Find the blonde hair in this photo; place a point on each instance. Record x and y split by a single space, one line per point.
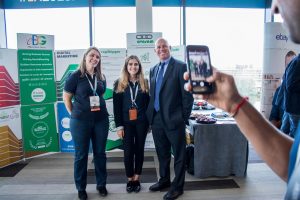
124 77
97 69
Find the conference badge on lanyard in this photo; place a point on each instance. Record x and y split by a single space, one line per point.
95 103
94 100
133 108
132 114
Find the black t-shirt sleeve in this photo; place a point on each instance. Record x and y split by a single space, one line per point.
71 83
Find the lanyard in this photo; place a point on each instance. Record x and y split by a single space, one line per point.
131 94
95 85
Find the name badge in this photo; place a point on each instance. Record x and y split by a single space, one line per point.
132 114
95 103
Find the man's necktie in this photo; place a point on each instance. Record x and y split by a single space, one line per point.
159 79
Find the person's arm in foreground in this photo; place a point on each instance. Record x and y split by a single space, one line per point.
269 143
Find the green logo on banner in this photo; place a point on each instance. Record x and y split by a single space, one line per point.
38 95
39 128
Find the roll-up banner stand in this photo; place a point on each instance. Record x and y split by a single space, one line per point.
66 62
37 92
142 45
276 45
112 62
11 144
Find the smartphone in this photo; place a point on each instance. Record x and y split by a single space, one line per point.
199 66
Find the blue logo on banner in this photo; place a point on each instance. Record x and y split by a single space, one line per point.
65 137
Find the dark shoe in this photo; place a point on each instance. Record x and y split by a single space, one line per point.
82 195
159 186
102 191
136 186
171 195
130 186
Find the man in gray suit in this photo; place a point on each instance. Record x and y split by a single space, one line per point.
168 111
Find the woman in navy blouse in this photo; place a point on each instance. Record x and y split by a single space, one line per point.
130 101
89 119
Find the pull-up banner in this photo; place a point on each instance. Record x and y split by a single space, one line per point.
37 92
66 62
11 145
276 46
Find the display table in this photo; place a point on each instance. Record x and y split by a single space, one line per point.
220 149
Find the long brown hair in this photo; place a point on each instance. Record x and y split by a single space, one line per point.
124 77
97 69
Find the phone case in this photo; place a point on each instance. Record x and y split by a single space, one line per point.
199 64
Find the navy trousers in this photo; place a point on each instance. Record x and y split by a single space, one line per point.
84 131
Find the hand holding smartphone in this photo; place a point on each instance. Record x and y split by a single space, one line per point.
199 65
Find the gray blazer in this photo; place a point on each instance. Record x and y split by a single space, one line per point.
175 103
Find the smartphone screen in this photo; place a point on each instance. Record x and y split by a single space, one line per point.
198 60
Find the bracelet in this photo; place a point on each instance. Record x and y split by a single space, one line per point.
244 100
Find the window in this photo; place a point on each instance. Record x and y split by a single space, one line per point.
167 20
70 26
235 39
112 24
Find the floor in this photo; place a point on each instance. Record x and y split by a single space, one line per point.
50 177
